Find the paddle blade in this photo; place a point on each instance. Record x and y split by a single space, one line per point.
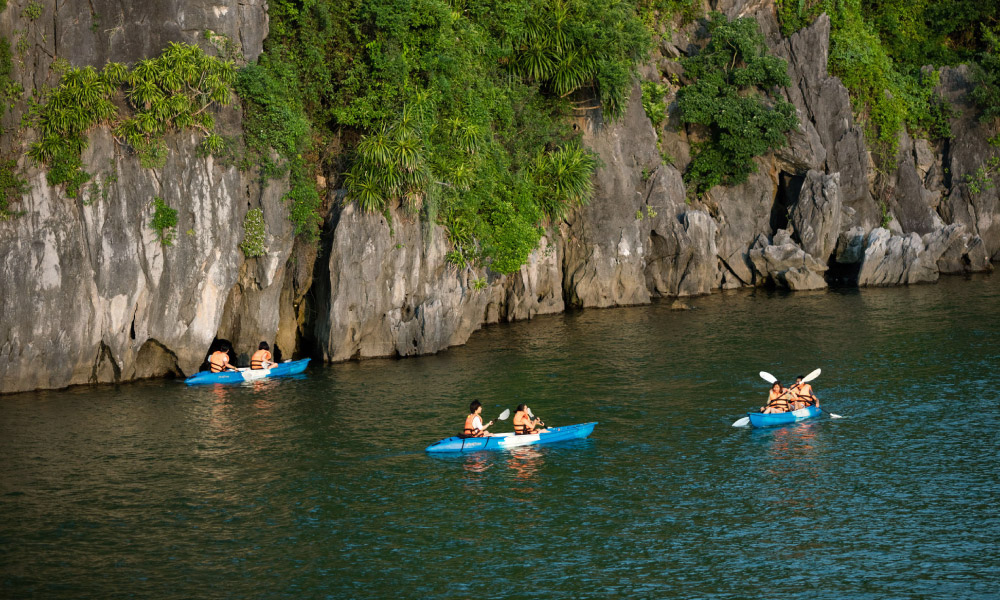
835 416
768 377
503 416
811 376
741 422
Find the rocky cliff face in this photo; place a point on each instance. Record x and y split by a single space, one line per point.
88 294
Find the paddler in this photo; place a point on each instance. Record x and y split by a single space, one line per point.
219 360
777 400
261 359
524 423
803 394
474 423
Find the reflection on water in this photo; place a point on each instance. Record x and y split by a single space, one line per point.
318 486
792 449
476 463
524 464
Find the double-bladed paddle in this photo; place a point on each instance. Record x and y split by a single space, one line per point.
540 421
503 416
771 379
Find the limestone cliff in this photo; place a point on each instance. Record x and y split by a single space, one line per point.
88 294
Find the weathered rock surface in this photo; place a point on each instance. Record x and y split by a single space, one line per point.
976 206
395 294
86 288
817 215
743 212
850 246
787 265
606 241
682 255
894 260
824 105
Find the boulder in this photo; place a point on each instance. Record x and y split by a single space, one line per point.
787 265
896 260
850 246
816 216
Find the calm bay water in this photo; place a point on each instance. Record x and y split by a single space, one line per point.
319 487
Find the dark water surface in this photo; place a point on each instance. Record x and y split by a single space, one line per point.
319 487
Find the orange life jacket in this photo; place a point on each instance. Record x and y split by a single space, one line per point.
219 360
779 400
804 392
258 358
469 430
522 424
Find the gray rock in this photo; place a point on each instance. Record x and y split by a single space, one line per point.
850 246
536 289
910 202
823 103
743 213
682 256
787 265
978 257
674 140
967 153
802 279
895 260
816 216
394 293
804 151
782 237
99 298
605 255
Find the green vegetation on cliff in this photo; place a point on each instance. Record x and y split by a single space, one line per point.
986 75
732 103
879 48
456 109
172 91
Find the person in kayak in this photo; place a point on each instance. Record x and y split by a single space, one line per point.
803 394
524 424
778 400
261 359
219 360
474 423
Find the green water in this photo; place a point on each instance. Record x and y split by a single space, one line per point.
318 487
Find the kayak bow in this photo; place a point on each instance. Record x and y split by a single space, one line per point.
502 441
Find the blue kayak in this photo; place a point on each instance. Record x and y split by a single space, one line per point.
290 367
770 420
502 441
